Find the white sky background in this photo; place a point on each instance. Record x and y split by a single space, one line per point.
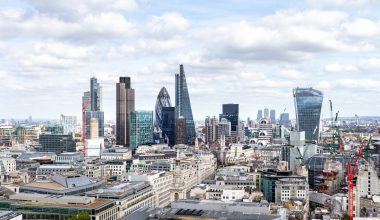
250 52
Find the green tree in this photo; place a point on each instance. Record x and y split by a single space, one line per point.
80 216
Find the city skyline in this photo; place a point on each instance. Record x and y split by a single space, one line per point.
46 68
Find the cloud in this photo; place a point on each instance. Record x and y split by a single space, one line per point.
61 50
370 64
167 24
293 74
339 68
361 28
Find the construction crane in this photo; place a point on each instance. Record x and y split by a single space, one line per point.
351 172
335 130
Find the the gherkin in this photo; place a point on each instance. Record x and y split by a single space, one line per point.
163 100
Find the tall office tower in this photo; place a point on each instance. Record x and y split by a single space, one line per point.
231 113
141 128
86 101
96 95
163 100
183 105
211 126
259 115
69 123
125 103
90 115
308 105
168 125
273 116
224 131
284 120
266 113
180 133
94 128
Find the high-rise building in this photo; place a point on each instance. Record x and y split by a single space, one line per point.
259 115
57 143
99 115
211 126
308 104
141 128
273 116
125 103
266 113
96 95
168 125
180 133
183 105
224 130
231 113
284 120
86 101
163 100
94 128
69 123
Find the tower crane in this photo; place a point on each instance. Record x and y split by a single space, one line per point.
351 172
85 104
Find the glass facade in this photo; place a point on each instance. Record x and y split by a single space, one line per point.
163 100
98 115
183 105
308 104
231 113
141 128
57 143
96 95
168 125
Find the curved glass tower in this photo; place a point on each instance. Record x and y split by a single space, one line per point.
182 104
308 104
163 100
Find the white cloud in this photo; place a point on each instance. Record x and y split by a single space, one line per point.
361 28
340 68
61 50
293 74
370 64
167 24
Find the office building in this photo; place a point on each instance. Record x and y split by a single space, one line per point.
273 116
308 104
183 105
57 143
163 100
94 148
92 116
125 103
69 123
168 125
266 113
7 165
231 113
96 95
53 129
284 120
259 115
141 128
211 126
86 101
180 133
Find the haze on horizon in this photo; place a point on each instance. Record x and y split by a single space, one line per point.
248 52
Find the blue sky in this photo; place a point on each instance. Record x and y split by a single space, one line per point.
242 51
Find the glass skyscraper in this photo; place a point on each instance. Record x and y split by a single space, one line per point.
98 115
141 128
168 125
308 105
231 113
125 103
163 100
182 104
96 95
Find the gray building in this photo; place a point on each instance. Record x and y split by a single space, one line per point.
125 103
57 143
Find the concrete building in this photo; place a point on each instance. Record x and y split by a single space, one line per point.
114 168
52 169
180 134
69 158
161 182
291 189
7 165
94 148
125 103
211 126
40 206
265 131
57 143
128 196
69 123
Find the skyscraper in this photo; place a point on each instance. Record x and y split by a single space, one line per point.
266 113
231 113
180 133
168 125
211 126
141 128
308 104
69 123
183 105
96 95
163 100
259 115
284 120
125 103
86 101
99 115
273 116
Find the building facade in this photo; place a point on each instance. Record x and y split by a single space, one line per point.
141 128
69 123
163 100
168 125
183 105
57 143
308 105
125 103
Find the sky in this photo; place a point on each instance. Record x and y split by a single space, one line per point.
250 52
